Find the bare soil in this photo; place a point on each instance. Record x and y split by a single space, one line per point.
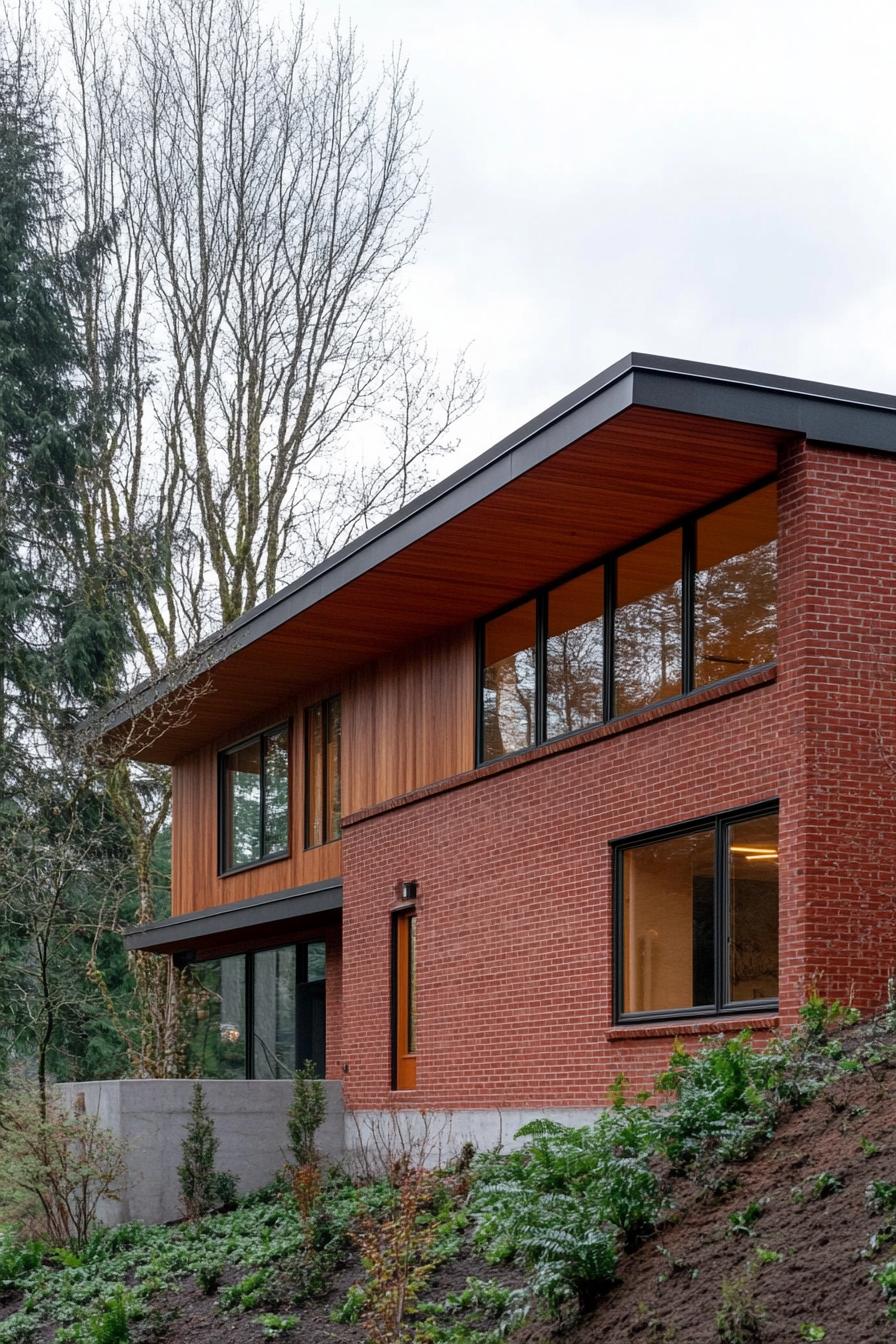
670 1289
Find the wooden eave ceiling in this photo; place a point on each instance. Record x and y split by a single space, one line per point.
637 472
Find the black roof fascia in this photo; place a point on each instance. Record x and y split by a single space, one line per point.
822 412
258 912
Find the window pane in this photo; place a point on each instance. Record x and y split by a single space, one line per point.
274 1003
218 1047
753 909
735 617
412 984
508 682
276 791
647 624
316 961
334 754
575 654
668 924
314 776
242 804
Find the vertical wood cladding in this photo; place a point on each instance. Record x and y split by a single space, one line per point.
407 722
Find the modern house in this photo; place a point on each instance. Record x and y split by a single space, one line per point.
591 746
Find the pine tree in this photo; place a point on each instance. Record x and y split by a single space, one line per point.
41 437
202 1188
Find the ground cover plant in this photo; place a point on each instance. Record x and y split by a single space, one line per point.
664 1223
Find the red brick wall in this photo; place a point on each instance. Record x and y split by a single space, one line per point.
514 872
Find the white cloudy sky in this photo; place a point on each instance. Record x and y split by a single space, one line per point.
712 179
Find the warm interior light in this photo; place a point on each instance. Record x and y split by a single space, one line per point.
755 851
229 1033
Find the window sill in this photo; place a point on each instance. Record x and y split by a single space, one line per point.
280 857
710 1026
643 718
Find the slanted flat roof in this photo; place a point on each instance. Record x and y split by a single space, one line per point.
659 423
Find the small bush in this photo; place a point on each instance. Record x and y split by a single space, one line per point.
273 1325
812 1332
349 1310
826 1183
744 1220
885 1277
249 1293
880 1197
111 1327
208 1277
397 1254
306 1114
202 1188
16 1260
740 1317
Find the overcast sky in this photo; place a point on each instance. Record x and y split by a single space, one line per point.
707 179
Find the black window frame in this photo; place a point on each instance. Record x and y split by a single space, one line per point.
687 524
275 856
326 838
301 983
721 822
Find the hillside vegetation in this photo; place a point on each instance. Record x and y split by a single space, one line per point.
754 1200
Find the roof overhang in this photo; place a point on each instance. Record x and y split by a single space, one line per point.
353 607
265 917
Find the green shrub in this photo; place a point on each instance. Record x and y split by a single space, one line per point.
274 1325
202 1188
17 1259
740 1317
306 1114
880 1197
812 1332
349 1310
250 1292
111 1326
885 1277
744 1220
566 1203
208 1277
826 1183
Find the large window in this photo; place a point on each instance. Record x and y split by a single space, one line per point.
254 800
692 606
323 752
697 918
261 1014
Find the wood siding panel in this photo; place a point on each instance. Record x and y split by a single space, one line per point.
408 720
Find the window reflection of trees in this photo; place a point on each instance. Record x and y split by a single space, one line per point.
736 618
647 649
509 704
575 678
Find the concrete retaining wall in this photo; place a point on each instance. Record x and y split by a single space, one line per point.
150 1117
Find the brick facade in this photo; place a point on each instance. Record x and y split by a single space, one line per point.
513 861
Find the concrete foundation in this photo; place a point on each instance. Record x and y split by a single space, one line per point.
373 1138
150 1118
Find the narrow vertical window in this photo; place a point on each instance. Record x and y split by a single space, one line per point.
254 800
508 682
575 654
323 772
735 588
405 1000
647 624
312 1006
752 881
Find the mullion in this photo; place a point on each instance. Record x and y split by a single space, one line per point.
688 596
262 758
609 641
541 668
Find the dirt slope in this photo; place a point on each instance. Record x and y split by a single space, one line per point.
672 1295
